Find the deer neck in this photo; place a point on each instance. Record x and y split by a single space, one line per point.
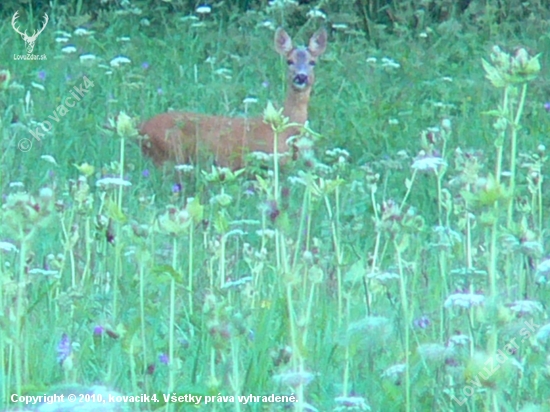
296 105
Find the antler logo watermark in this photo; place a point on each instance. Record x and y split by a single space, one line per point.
29 40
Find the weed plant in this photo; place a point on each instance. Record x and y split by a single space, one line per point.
400 265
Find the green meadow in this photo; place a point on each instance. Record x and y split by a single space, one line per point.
400 264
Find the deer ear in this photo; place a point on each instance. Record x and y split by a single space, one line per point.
318 42
283 42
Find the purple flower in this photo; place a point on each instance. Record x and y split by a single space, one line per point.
176 188
146 173
98 330
63 349
547 106
159 91
163 358
145 65
423 322
42 75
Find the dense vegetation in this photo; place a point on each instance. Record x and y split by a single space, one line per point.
400 265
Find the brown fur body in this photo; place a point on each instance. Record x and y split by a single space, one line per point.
184 137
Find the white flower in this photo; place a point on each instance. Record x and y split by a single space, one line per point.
117 61
394 372
526 307
184 168
203 10
390 63
458 340
61 39
8 247
44 272
428 163
87 57
82 32
339 26
68 49
543 333
316 13
112 181
351 403
270 233
544 267
464 300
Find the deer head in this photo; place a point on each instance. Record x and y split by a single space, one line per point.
29 40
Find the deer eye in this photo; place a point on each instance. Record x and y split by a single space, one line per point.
289 62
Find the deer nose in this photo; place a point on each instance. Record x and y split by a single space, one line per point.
300 79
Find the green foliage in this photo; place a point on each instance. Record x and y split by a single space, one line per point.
393 268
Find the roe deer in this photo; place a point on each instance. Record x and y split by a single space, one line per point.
182 137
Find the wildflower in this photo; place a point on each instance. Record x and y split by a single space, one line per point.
394 373
184 168
222 199
68 49
119 60
269 233
351 403
383 277
87 57
390 63
86 169
61 39
543 334
432 352
82 32
273 116
316 13
64 349
464 300
543 268
98 330
525 307
203 9
423 322
237 283
164 359
458 340
428 163
547 106
339 26
125 126
112 181
8 247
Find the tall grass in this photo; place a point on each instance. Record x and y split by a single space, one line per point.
399 265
